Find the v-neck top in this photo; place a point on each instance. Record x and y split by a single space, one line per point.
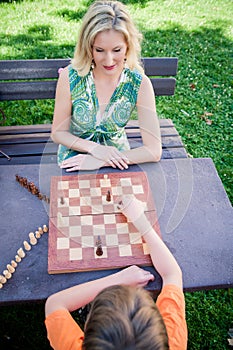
86 121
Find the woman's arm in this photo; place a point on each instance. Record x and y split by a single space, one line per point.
101 155
62 117
149 127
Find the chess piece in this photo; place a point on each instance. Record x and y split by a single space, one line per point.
13 263
7 274
3 279
45 228
40 230
27 246
108 196
10 268
37 234
17 258
33 240
105 182
21 253
99 250
62 200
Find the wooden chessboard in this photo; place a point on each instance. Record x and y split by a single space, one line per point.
80 215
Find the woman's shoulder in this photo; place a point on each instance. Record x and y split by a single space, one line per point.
134 76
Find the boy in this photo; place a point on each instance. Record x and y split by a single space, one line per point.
122 314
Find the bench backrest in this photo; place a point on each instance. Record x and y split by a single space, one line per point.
36 79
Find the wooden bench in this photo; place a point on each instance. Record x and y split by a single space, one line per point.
36 79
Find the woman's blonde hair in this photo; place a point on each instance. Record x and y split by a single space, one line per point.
124 317
101 16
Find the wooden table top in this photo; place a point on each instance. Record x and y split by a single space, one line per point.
194 213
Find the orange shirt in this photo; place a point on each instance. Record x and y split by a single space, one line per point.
171 305
65 334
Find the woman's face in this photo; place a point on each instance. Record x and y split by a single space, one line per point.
109 52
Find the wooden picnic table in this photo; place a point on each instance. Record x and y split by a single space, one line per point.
194 213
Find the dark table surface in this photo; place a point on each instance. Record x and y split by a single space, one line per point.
194 212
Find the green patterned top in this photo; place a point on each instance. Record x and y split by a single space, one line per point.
85 120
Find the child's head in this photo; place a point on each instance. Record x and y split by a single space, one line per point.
123 318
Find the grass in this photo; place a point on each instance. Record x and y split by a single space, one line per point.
200 34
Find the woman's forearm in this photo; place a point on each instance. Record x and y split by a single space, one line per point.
144 154
73 142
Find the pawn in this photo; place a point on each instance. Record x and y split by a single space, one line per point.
7 274
37 234
40 196
40 230
3 279
10 268
17 258
31 235
27 246
108 196
45 228
33 240
13 263
21 253
99 250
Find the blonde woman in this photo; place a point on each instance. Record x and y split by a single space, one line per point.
97 93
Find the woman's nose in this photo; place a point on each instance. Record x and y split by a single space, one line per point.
109 58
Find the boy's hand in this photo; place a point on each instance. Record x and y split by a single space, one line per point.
135 276
133 209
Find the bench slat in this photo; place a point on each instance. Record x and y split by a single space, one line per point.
36 90
31 69
43 137
48 68
164 66
46 128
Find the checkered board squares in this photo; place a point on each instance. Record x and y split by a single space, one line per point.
83 216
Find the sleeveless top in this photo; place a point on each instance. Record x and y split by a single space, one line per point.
86 121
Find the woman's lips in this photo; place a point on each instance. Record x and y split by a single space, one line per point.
109 67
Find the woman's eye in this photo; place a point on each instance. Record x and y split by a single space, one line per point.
99 50
117 50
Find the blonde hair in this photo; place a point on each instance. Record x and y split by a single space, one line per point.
101 16
123 317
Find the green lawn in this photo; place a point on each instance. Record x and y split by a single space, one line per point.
200 34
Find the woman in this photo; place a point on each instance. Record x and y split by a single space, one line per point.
98 92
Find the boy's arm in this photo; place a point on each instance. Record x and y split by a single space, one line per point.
163 260
75 297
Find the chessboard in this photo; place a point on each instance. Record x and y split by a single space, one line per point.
87 231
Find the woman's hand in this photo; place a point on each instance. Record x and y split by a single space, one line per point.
135 276
111 156
82 162
92 162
